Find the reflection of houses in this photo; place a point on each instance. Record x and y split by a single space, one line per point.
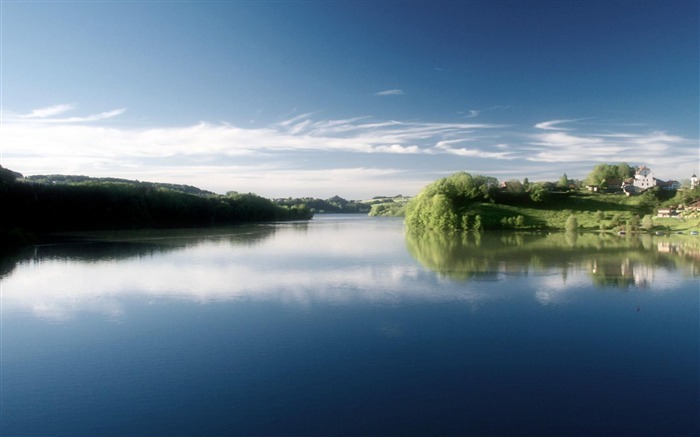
644 179
643 275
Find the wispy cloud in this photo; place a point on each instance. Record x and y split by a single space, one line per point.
49 111
46 115
86 145
653 148
394 92
446 147
304 155
552 125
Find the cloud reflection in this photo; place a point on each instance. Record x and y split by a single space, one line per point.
327 263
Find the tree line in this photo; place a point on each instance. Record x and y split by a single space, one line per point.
333 205
37 207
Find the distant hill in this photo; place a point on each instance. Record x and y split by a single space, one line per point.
57 179
333 205
44 204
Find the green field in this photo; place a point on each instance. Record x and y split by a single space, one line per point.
593 212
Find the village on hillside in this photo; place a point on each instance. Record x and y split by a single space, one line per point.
644 180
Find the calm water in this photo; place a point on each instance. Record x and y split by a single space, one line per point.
349 326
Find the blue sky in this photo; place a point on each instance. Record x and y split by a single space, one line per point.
306 98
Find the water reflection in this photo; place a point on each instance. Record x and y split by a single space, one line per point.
338 262
610 260
332 261
100 246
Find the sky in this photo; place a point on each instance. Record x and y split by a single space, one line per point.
349 98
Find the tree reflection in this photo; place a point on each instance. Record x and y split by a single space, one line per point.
611 260
99 246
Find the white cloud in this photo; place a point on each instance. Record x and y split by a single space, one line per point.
49 111
273 160
394 92
561 139
552 125
473 113
656 148
44 116
397 148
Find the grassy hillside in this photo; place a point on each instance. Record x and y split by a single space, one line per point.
590 210
463 202
593 212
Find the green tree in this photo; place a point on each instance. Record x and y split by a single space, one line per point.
538 193
520 221
616 220
603 172
441 204
647 222
563 181
514 186
442 215
633 222
571 224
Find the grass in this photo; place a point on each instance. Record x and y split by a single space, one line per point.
594 212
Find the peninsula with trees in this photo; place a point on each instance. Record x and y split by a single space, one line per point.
612 198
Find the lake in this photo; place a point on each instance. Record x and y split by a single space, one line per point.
350 325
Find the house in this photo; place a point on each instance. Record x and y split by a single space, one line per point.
668 185
666 212
694 181
644 179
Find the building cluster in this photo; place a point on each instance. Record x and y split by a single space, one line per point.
643 180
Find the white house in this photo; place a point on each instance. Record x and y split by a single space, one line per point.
644 179
694 181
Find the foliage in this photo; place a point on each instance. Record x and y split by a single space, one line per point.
382 206
335 205
632 223
388 210
571 224
442 204
539 193
563 182
604 172
86 180
683 197
454 202
38 207
8 177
